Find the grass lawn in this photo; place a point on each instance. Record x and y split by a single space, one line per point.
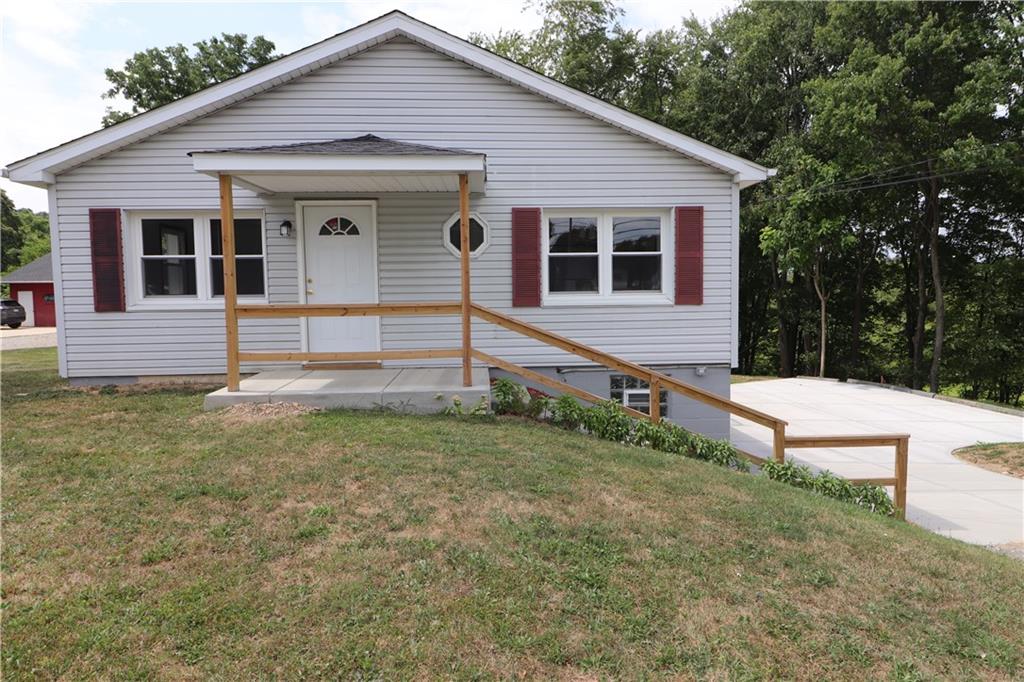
143 538
1005 458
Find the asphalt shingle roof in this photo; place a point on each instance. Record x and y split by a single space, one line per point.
365 145
39 270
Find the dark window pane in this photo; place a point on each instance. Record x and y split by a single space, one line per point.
248 237
572 235
169 276
168 237
636 273
338 225
476 235
636 234
248 274
572 273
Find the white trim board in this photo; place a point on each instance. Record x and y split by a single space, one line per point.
41 169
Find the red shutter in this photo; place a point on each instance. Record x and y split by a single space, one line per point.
689 255
107 263
526 257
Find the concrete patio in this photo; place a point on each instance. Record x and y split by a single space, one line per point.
416 390
944 494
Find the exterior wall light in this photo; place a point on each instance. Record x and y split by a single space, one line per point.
286 228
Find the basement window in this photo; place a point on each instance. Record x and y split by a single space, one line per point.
635 393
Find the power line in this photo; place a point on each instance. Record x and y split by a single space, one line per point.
892 182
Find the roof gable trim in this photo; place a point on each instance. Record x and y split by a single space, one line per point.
41 168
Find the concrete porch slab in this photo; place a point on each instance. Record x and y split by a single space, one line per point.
416 390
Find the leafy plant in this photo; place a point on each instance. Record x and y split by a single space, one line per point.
509 397
826 483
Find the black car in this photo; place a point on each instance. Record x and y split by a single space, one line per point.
11 313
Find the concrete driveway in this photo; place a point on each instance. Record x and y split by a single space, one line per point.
27 337
944 494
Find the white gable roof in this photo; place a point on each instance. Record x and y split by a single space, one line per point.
41 169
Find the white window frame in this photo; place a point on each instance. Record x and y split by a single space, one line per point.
204 298
604 294
454 219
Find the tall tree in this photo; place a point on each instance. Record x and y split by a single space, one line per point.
158 76
24 234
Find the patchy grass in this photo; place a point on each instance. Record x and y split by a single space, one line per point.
144 539
1004 458
746 378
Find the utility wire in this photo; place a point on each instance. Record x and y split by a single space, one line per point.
825 191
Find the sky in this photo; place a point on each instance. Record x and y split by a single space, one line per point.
53 53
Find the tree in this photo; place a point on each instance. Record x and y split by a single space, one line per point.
158 76
24 234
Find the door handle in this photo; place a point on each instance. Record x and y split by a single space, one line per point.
309 292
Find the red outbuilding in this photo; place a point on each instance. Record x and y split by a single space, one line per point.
32 286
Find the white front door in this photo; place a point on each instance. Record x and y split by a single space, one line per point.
340 244
27 301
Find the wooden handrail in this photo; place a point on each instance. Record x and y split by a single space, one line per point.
657 380
348 309
624 366
848 441
353 356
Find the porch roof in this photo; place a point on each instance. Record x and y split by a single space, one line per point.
358 164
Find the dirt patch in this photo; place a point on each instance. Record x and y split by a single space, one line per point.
249 413
1002 458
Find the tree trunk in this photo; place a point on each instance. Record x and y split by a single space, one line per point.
855 322
940 303
922 310
823 328
785 354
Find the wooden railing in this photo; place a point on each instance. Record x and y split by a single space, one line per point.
655 380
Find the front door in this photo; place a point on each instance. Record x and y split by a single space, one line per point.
340 243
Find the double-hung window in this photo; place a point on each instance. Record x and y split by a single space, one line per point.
635 393
606 256
175 259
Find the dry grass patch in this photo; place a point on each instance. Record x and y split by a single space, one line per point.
1003 458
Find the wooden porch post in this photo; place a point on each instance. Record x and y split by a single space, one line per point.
227 237
467 322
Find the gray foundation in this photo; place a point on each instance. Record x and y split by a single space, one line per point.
683 411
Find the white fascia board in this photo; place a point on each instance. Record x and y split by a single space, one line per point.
208 100
355 40
251 163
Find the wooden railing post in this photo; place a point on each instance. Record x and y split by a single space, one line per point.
227 240
900 492
655 399
467 321
779 442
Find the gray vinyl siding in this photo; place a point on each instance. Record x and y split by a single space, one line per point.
539 153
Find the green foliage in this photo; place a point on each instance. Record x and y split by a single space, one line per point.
457 409
24 234
825 483
158 76
509 397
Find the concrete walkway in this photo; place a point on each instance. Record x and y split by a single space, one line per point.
28 337
418 390
944 494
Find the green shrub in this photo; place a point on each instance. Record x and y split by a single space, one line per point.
509 397
567 413
826 483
